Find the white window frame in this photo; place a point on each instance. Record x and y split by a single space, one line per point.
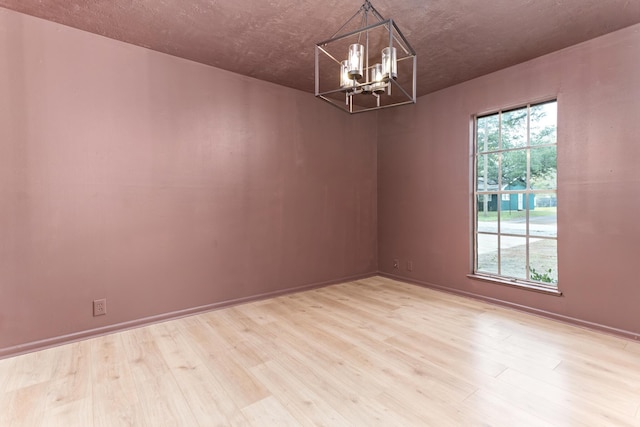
499 278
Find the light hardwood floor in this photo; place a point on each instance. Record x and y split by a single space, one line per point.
365 353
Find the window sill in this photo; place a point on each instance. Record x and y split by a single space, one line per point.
529 286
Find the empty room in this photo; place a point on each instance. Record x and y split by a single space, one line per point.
338 213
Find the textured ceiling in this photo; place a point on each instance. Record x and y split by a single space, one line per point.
273 40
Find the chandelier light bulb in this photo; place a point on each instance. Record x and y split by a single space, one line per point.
355 61
345 79
389 63
377 78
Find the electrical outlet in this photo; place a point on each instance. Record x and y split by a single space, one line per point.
409 265
100 307
396 264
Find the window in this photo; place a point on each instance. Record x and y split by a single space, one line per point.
515 197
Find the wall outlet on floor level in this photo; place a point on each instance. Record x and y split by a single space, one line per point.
100 307
409 265
396 264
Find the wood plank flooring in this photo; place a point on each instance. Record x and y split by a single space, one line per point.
364 353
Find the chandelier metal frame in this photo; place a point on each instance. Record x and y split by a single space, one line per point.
380 80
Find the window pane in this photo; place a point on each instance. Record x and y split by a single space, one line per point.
544 170
513 215
513 256
543 219
487 172
487 213
514 128
487 253
487 133
543 260
514 170
544 123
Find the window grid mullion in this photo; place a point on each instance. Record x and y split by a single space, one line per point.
526 193
499 201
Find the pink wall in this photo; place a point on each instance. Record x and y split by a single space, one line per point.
163 185
424 185
167 186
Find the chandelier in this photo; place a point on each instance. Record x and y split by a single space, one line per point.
367 68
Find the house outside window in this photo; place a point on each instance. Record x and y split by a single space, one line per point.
515 196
